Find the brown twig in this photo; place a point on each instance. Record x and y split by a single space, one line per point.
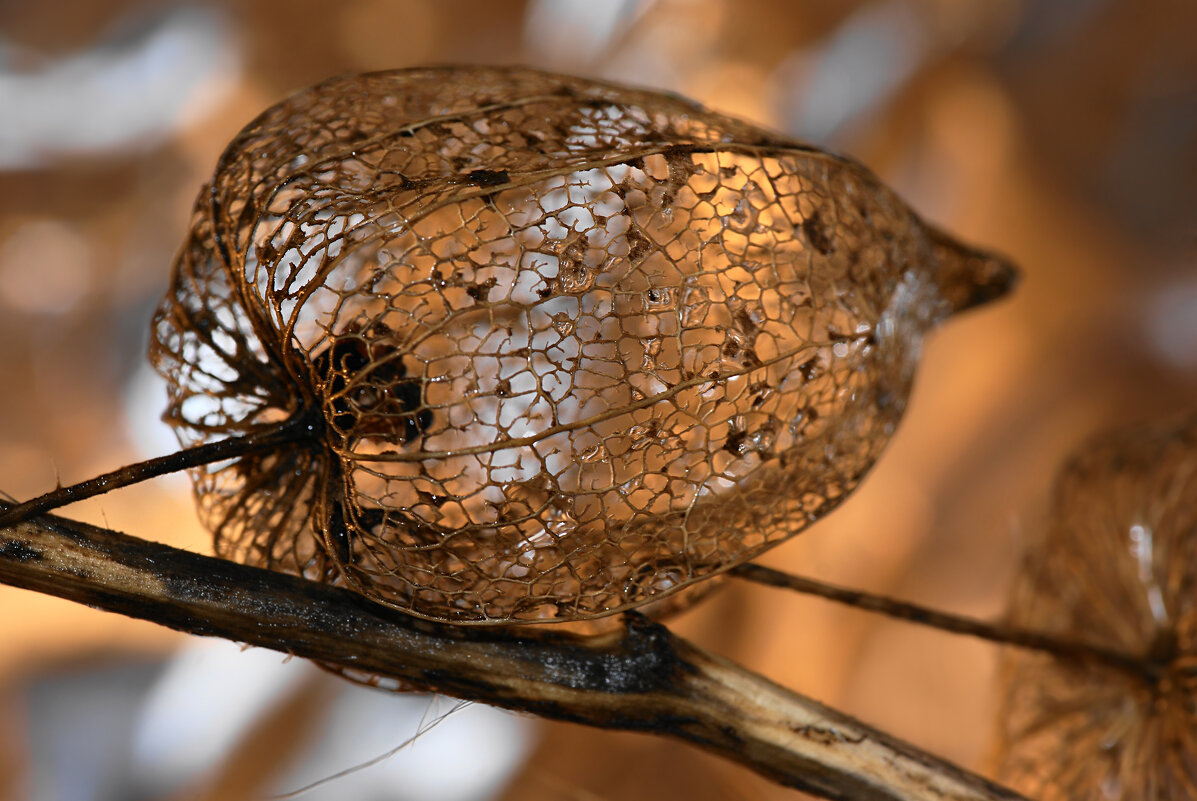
639 678
265 439
944 621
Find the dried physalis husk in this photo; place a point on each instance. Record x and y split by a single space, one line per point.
1117 568
566 347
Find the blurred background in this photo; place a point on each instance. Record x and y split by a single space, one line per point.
1063 132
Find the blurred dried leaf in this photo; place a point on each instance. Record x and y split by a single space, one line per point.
1117 568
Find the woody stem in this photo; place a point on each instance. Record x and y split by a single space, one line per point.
294 429
945 621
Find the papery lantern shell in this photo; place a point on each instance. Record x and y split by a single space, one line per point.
567 347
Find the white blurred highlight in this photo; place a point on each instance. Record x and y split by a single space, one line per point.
119 95
1172 323
200 708
468 756
578 31
854 72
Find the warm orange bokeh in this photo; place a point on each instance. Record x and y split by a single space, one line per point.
1061 134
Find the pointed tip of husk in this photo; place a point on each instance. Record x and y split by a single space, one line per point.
969 277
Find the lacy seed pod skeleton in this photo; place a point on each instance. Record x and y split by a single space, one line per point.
560 347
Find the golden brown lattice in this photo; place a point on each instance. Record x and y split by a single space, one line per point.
1117 568
565 346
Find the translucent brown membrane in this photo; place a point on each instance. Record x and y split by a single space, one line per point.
1118 568
567 347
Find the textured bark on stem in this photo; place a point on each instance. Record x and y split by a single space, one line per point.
639 678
